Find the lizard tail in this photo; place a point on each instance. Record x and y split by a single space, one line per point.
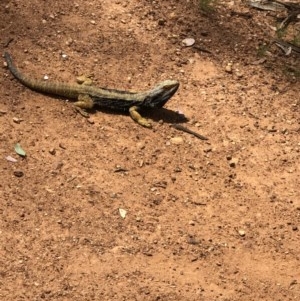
38 85
16 73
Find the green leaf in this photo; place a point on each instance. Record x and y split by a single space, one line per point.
19 150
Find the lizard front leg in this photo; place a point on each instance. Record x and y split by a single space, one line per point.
84 80
136 116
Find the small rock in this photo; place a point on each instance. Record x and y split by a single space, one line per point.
90 121
176 140
17 120
271 129
52 151
233 162
207 149
59 166
188 42
177 169
192 223
11 159
239 74
161 22
69 41
228 68
18 173
242 233
64 56
172 15
122 212
119 168
140 145
62 146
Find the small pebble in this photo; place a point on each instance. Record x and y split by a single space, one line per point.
233 162
228 68
59 166
271 129
242 233
176 140
11 159
161 22
17 120
140 145
207 149
18 173
188 42
62 146
90 121
239 74
69 42
177 169
52 151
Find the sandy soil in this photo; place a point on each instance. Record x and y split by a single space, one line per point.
206 220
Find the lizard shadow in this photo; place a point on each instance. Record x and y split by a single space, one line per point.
166 115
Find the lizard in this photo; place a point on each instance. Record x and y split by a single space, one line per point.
88 96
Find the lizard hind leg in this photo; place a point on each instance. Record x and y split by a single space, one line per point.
83 103
136 116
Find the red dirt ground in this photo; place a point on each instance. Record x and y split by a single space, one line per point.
206 220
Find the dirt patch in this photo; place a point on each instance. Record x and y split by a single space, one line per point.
206 220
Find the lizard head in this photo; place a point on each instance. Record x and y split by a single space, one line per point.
160 94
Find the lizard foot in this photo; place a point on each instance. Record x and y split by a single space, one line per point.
81 112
